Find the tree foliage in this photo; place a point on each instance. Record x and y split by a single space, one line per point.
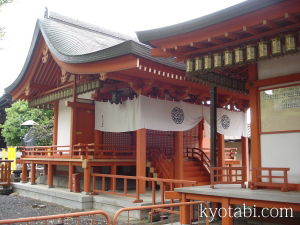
19 113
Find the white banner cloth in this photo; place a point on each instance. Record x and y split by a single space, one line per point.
146 112
229 123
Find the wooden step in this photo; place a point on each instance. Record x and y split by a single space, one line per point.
191 163
192 168
193 173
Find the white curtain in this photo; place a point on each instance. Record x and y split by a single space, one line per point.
232 124
146 112
164 115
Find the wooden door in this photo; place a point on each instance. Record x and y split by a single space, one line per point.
85 126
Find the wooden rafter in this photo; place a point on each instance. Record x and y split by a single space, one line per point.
270 24
291 18
232 35
250 30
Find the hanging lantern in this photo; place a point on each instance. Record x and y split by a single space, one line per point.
250 53
189 65
290 45
239 57
263 50
276 46
228 58
217 60
116 97
198 64
207 62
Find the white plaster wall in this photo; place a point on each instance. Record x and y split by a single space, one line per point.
282 150
276 67
64 123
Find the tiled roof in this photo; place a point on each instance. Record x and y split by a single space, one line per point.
73 41
204 21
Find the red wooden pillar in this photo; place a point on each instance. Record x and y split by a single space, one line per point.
221 154
98 137
55 123
227 212
71 171
32 173
245 156
184 212
24 173
141 157
254 113
87 179
113 171
50 175
45 169
201 133
178 141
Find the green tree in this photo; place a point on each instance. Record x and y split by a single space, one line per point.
19 113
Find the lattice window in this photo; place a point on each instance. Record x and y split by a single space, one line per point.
191 138
111 138
163 139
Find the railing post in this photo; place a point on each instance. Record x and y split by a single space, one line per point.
153 192
137 191
125 186
162 192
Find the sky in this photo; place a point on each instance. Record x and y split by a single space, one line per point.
124 16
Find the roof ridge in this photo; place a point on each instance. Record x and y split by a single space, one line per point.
88 26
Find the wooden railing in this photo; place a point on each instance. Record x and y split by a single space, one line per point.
200 155
71 218
94 151
257 176
156 155
138 180
5 171
170 210
226 175
53 151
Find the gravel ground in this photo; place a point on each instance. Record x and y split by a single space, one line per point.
12 207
